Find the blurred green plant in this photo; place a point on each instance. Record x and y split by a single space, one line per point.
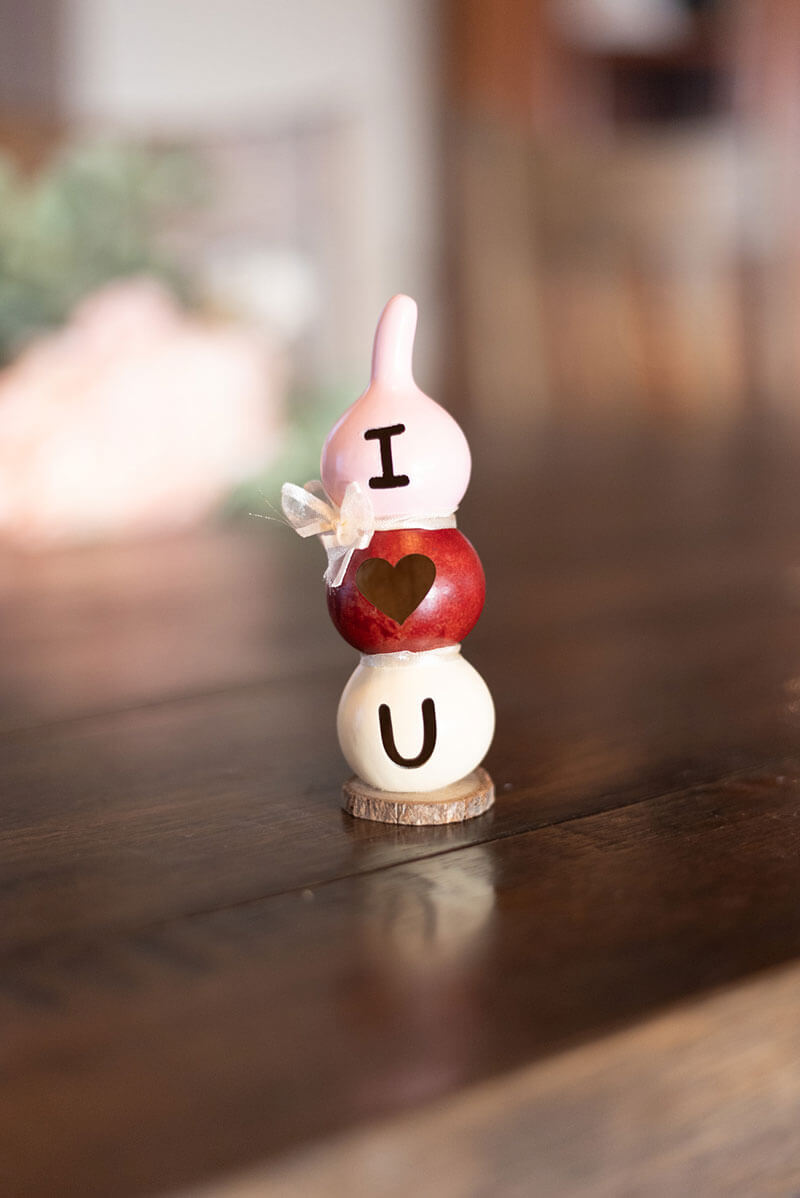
89 217
97 213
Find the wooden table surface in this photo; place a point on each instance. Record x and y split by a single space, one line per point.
211 976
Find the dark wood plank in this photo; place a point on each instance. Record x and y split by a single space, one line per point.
718 1076
631 652
84 631
203 961
147 1060
186 806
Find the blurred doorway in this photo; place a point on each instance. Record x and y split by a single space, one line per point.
620 183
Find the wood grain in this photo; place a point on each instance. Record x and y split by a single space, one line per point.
176 1050
721 1073
205 964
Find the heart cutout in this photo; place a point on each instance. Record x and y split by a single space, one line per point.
398 590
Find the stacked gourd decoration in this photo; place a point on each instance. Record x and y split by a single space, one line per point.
404 588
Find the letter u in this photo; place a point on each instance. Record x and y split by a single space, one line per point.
428 735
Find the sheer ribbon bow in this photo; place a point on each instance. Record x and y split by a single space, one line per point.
312 513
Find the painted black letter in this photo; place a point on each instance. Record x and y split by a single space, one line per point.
428 735
388 479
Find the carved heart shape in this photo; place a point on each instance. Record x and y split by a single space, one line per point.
398 590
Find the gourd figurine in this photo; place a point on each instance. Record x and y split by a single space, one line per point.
404 587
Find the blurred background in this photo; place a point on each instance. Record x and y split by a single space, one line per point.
204 205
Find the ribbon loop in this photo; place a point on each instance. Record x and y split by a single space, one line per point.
311 512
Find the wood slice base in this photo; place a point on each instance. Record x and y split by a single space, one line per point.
461 800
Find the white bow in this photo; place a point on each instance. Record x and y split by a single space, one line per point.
312 513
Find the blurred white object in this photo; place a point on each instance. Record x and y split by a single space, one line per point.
274 289
622 24
134 418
